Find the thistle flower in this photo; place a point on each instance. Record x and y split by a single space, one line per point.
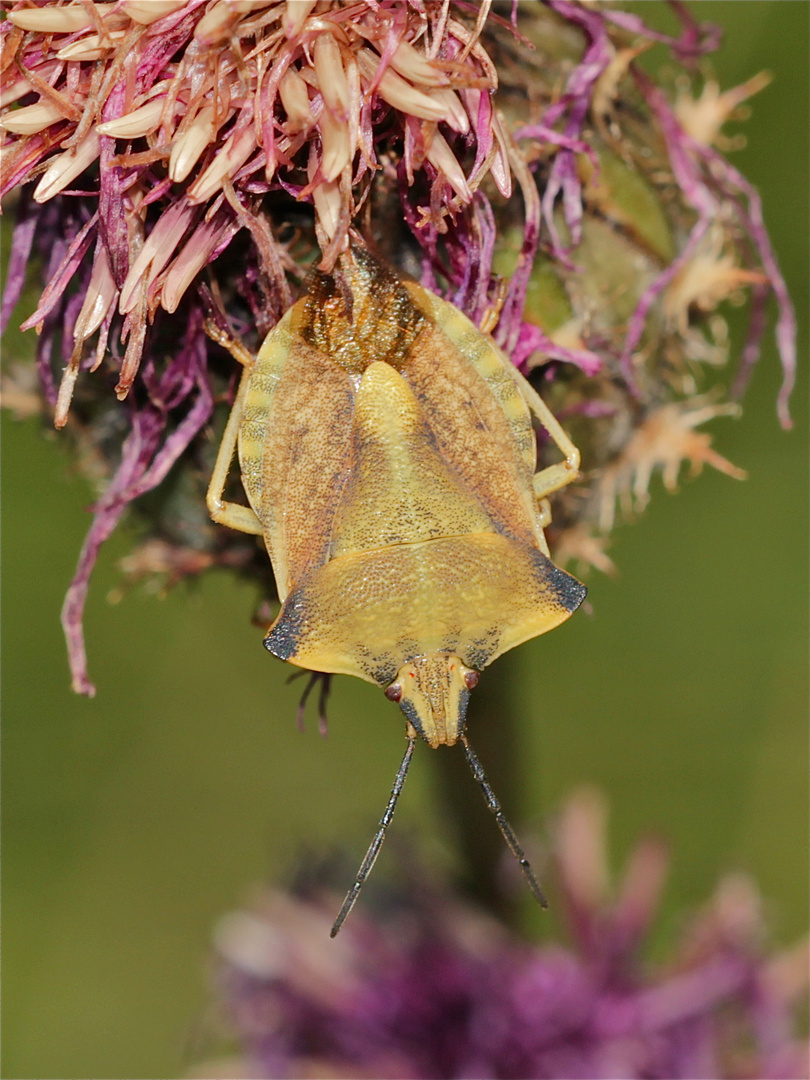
182 162
431 988
264 95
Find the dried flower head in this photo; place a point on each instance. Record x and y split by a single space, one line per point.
182 162
193 112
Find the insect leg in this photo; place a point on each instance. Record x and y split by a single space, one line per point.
237 350
507 831
379 836
234 515
314 677
555 476
323 697
544 513
564 472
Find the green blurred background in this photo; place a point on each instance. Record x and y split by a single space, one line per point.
132 821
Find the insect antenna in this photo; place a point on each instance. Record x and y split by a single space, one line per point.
507 831
376 843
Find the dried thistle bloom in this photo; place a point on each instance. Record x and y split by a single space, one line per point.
433 988
194 112
185 160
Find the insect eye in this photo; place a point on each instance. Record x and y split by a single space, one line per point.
393 692
471 679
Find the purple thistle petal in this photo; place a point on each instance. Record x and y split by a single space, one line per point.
696 39
177 442
27 220
70 312
696 193
61 278
174 28
158 248
44 362
754 223
544 133
476 243
146 459
138 448
111 208
685 156
510 323
158 191
481 115
576 101
211 238
21 159
757 324
686 996
531 339
100 295
638 320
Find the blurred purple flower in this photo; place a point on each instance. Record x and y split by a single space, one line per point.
433 989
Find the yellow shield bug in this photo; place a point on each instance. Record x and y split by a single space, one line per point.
388 456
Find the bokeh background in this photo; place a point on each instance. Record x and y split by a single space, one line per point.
132 821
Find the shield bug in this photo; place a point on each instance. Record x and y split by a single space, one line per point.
388 456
